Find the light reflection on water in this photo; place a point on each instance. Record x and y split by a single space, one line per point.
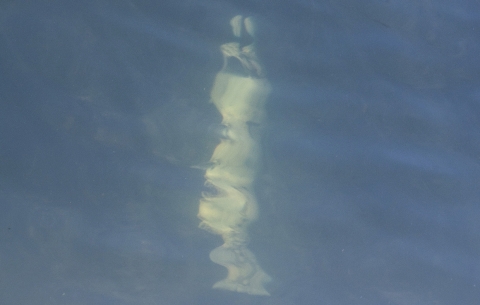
369 185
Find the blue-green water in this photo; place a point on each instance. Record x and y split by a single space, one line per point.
368 190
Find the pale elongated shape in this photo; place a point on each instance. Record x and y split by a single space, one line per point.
240 97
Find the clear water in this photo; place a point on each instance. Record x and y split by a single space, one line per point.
369 186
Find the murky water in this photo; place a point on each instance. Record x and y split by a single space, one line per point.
368 185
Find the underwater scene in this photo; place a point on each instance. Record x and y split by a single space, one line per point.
240 152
